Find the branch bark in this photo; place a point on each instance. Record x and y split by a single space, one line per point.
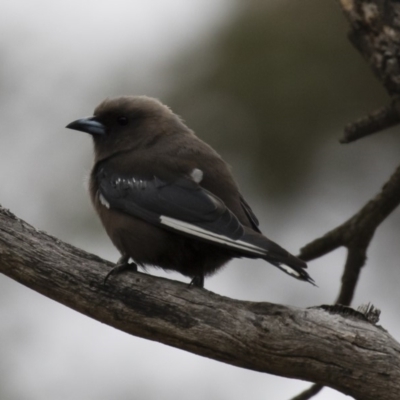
340 351
375 33
375 122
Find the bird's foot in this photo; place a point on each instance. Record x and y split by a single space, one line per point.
197 281
121 266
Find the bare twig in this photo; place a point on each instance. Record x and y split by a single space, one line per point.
361 226
381 119
354 262
308 393
356 234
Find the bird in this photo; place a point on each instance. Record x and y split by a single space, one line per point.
166 198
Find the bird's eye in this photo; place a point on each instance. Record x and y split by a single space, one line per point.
122 121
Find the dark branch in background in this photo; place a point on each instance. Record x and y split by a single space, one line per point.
375 32
356 234
308 393
381 119
332 346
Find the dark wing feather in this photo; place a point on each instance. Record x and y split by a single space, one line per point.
181 206
185 207
250 214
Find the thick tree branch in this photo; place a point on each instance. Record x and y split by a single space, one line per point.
339 351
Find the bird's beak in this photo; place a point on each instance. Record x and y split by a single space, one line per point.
89 125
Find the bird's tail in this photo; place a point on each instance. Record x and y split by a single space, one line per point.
292 265
279 257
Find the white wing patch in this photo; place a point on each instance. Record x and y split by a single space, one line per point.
103 201
214 237
289 270
197 175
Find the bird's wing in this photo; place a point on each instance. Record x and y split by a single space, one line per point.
182 206
250 214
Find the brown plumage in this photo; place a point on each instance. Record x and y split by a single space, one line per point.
166 198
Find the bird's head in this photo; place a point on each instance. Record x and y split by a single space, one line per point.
126 123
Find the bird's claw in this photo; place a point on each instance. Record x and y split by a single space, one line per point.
121 266
197 281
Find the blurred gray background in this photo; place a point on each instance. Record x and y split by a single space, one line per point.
269 84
